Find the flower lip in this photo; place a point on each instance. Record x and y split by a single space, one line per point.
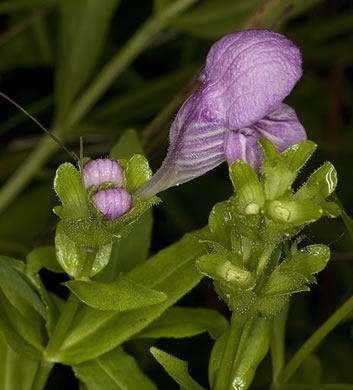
112 203
102 170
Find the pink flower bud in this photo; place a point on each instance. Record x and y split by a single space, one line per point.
112 203
102 170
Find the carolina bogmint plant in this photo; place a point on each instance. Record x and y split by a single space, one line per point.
251 248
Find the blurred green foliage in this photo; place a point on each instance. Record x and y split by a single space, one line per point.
64 61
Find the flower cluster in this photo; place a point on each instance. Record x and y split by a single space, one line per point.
245 79
111 202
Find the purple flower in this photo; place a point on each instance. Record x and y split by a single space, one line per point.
112 203
246 77
102 170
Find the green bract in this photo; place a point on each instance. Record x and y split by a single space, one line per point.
248 233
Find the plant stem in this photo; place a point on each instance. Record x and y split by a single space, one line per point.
225 369
315 339
124 57
42 375
278 344
62 327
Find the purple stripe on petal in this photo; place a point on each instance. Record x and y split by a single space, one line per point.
242 146
281 127
112 203
102 170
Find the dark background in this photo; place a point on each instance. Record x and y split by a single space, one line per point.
323 100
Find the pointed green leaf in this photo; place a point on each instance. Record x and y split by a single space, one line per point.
115 370
17 281
42 257
121 294
250 196
176 368
309 260
84 25
21 333
179 322
68 186
216 358
285 283
96 332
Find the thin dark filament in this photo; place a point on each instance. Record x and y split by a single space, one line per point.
52 136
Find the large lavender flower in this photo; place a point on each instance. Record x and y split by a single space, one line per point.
246 77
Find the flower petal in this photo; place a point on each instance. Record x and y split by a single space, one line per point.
247 74
243 145
281 127
196 147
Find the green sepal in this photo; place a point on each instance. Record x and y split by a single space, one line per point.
292 212
320 184
137 173
279 170
71 256
68 186
249 192
221 223
218 267
176 368
121 294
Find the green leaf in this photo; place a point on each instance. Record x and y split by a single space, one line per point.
121 294
83 29
176 368
96 332
14 280
128 145
249 191
321 386
71 256
68 186
115 370
179 322
42 257
15 371
137 173
21 333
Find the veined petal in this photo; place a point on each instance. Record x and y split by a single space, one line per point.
281 127
247 74
196 147
242 144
